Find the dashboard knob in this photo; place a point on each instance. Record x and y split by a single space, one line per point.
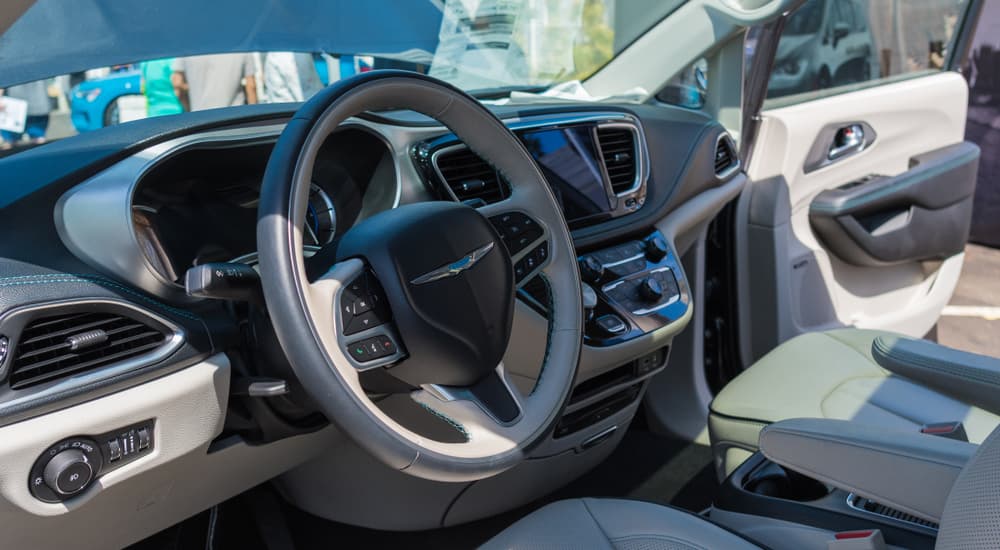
68 472
651 290
591 269
656 249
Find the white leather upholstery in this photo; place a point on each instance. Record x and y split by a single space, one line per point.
614 524
827 375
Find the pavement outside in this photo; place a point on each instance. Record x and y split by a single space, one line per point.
971 322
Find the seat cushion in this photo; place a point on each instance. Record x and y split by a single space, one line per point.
614 524
827 375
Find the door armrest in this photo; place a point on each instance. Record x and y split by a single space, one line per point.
911 472
968 377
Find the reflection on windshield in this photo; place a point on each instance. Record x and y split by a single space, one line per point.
33 113
494 45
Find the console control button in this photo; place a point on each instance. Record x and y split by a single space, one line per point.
611 324
656 248
591 269
651 290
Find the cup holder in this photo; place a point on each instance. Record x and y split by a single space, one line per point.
772 480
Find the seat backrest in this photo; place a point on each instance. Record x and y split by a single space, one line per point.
972 513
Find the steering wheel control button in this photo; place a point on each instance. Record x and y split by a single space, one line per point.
517 230
363 305
371 349
530 262
611 324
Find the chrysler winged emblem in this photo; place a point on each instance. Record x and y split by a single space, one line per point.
456 267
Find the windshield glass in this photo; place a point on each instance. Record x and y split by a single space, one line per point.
122 61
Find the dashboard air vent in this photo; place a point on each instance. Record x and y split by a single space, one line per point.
725 156
61 345
619 152
470 177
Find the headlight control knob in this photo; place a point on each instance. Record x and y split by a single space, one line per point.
68 472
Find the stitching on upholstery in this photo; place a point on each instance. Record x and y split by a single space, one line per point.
56 278
451 422
593 518
919 362
551 328
665 538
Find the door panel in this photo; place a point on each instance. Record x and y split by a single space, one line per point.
825 251
923 213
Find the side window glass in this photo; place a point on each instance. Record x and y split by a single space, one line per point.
835 46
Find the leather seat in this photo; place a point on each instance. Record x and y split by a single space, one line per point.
614 524
969 519
827 375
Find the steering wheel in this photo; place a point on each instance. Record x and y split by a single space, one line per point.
448 284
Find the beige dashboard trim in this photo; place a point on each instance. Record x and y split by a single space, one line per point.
176 480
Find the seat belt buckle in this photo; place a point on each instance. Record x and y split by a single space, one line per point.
869 539
949 430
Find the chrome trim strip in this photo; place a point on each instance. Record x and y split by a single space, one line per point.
851 497
454 268
625 261
449 393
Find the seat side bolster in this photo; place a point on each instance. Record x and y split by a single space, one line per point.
911 472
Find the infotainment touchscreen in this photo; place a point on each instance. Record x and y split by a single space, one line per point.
569 159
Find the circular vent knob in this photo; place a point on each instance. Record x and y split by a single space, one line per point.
68 472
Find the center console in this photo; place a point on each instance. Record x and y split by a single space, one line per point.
638 287
761 491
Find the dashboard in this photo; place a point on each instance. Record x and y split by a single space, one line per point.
117 217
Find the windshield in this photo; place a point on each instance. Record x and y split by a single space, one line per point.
121 61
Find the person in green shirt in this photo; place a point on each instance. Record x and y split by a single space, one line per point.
156 86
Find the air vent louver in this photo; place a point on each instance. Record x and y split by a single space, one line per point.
470 177
61 345
619 151
725 156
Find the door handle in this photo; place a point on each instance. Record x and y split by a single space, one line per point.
849 139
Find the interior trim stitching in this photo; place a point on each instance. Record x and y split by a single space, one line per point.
73 278
550 329
450 421
938 365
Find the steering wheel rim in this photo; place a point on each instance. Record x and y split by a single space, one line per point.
307 319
